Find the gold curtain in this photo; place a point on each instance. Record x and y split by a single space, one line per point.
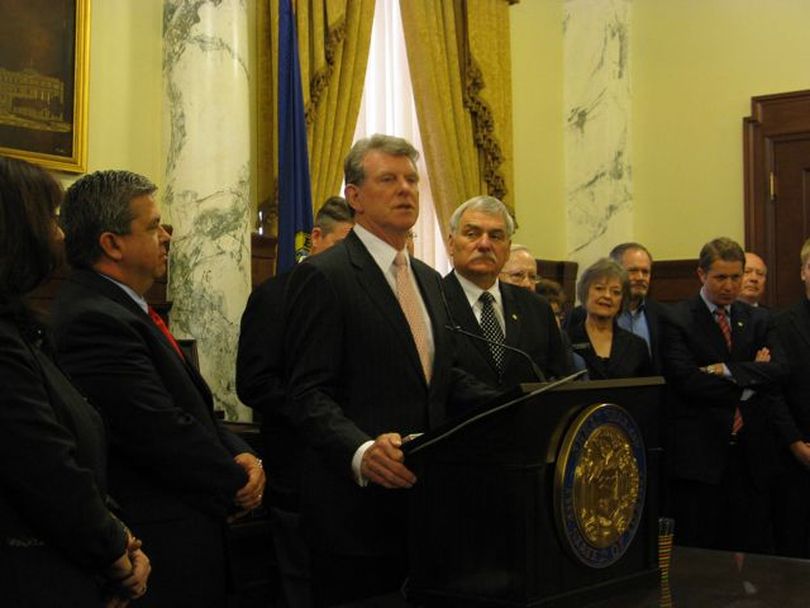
333 44
458 53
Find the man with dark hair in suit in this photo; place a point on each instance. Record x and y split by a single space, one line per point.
723 367
479 244
260 385
175 469
369 363
792 504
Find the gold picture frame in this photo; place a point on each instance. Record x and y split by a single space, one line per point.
44 69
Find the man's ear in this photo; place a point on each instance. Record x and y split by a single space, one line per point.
350 193
110 245
701 275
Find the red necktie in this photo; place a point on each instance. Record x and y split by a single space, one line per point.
725 327
157 320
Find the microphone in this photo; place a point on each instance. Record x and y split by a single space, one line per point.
457 329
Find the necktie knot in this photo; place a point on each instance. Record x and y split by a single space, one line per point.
400 260
487 298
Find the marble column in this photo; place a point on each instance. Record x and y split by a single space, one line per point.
207 181
598 176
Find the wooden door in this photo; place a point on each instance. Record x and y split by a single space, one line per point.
777 189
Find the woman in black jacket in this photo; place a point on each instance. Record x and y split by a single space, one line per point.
59 543
608 350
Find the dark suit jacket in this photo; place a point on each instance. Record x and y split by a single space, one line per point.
56 531
700 406
653 311
793 331
260 385
629 356
354 373
530 327
171 460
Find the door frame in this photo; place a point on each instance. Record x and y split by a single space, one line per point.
772 117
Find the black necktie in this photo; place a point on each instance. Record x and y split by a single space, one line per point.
491 327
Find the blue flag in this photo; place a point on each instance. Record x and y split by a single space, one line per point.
294 190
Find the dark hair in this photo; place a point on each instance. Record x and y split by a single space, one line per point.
721 248
29 197
551 291
395 146
99 202
617 253
334 211
604 268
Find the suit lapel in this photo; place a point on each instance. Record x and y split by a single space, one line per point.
374 284
463 314
800 318
113 292
707 326
740 318
512 322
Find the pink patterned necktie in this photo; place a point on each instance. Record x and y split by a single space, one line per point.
725 327
411 305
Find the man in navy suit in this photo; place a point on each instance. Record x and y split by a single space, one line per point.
260 385
723 366
479 243
176 471
368 363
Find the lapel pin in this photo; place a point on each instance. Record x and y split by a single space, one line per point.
514 316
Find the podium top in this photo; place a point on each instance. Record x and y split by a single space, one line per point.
530 387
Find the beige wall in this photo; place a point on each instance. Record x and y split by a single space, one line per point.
537 100
695 64
126 91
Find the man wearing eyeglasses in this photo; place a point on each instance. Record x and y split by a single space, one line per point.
499 313
521 268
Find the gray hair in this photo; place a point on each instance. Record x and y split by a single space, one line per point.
486 204
604 268
516 247
353 171
96 203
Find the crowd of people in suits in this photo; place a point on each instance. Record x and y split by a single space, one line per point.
118 479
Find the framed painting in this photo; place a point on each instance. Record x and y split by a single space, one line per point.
44 55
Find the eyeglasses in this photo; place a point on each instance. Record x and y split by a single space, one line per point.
522 275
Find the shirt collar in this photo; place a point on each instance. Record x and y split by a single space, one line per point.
137 298
712 306
381 251
473 292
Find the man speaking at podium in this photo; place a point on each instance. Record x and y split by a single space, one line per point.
369 362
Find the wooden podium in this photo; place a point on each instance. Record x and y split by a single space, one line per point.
487 526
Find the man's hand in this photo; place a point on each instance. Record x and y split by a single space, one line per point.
801 451
383 463
250 495
763 355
